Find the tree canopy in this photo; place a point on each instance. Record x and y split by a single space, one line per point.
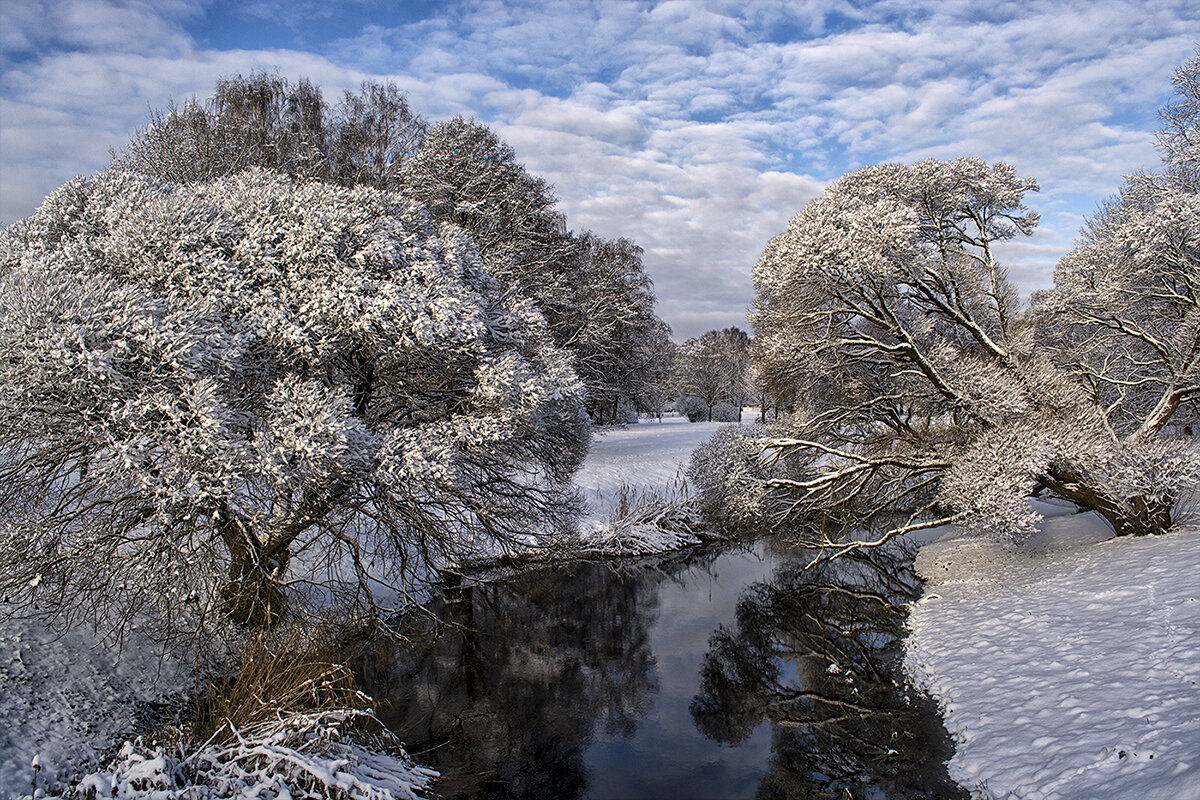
220 394
593 292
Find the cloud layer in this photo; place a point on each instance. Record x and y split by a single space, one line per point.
694 128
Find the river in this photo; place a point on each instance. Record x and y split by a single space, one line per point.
718 672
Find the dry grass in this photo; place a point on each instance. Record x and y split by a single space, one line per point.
278 673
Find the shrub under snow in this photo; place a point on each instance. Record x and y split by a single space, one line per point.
314 755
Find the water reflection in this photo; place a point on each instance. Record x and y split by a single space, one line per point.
525 673
654 680
814 652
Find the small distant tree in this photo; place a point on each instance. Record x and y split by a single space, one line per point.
716 368
217 396
659 388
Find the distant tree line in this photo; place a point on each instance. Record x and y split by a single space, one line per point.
711 377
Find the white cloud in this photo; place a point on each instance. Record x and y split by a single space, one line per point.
116 25
695 128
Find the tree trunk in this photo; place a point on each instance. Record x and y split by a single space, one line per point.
1133 516
251 593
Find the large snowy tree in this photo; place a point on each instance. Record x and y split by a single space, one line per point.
214 396
928 396
594 293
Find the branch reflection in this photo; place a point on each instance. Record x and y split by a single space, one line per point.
815 653
507 694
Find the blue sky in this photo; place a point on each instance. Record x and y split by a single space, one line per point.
695 128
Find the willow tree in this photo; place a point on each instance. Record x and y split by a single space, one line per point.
929 396
219 395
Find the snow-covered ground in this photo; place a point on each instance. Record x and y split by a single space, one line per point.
67 699
1067 667
641 466
650 455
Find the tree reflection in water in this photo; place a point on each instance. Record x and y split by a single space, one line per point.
505 698
545 685
815 653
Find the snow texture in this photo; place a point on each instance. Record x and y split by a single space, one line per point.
1066 667
651 454
294 757
65 698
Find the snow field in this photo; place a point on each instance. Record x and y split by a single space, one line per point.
644 465
68 699
1067 667
651 454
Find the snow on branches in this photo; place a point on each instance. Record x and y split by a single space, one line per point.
205 383
926 395
320 754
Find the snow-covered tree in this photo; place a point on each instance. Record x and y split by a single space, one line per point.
594 293
265 121
1180 134
927 396
716 368
224 394
1124 315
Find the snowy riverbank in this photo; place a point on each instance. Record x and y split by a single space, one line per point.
1067 667
631 475
70 700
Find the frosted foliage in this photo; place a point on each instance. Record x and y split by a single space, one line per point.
725 412
209 380
692 407
991 478
731 470
1180 135
1125 312
924 394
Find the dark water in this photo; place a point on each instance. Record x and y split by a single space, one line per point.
717 673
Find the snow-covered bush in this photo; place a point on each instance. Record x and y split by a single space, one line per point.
692 407
626 413
341 755
215 396
645 520
730 472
